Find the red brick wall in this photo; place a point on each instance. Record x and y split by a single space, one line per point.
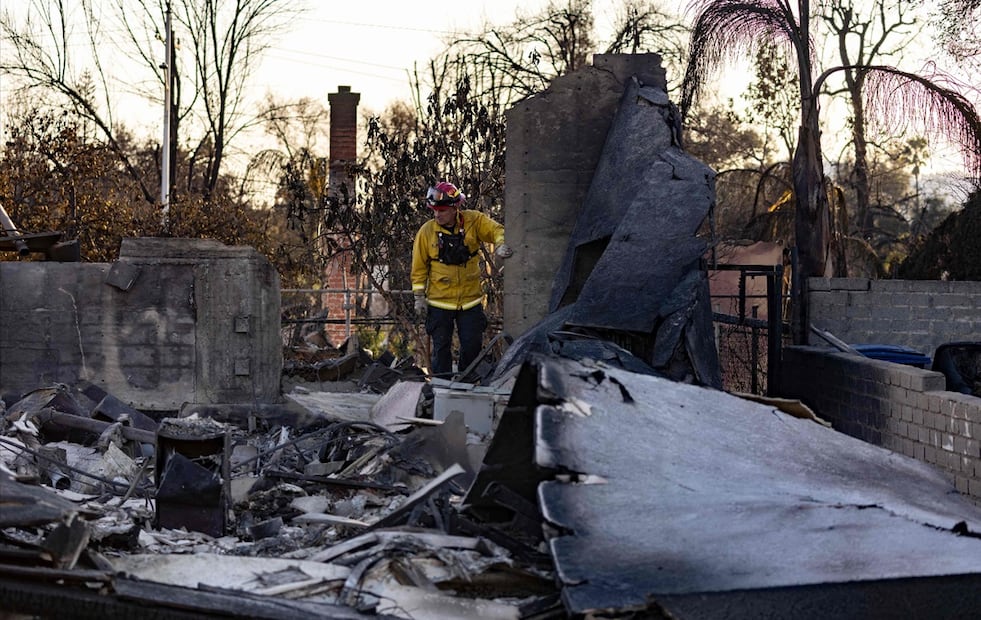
337 276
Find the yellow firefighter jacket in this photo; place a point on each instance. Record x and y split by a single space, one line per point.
452 287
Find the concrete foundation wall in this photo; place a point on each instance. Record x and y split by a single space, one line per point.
901 408
555 140
173 321
921 314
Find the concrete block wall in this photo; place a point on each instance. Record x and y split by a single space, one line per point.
921 314
173 321
901 408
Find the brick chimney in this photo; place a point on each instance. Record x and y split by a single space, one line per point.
339 273
343 136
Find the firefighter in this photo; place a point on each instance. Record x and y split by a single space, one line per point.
446 275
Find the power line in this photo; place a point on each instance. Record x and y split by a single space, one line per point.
335 68
387 27
351 60
83 29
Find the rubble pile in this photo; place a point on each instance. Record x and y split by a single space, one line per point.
316 360
354 512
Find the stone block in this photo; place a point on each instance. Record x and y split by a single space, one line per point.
927 381
972 448
817 285
849 284
962 484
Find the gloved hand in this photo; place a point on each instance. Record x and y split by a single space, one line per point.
504 251
421 306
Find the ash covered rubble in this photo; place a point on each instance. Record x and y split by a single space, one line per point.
343 514
594 471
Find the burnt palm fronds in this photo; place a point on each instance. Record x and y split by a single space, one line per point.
726 30
901 99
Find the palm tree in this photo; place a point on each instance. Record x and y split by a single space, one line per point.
725 28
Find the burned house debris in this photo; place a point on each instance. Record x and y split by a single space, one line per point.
601 490
163 468
647 199
337 518
50 244
192 475
698 504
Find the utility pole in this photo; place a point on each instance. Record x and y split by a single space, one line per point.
168 67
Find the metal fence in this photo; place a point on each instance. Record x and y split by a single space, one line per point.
305 308
750 342
749 335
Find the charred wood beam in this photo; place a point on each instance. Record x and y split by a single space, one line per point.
54 575
69 593
420 496
340 482
61 420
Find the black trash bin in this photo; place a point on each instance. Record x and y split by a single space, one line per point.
960 363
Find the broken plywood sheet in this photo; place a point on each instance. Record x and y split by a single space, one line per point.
29 505
694 491
342 406
398 405
227 572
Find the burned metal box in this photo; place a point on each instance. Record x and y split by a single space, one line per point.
481 406
192 475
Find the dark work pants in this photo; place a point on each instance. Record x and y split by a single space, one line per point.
470 325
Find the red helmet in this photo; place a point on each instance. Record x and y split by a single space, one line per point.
444 195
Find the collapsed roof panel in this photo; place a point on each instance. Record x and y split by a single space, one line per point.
646 196
685 491
634 251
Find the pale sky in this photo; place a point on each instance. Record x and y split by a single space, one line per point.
370 45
